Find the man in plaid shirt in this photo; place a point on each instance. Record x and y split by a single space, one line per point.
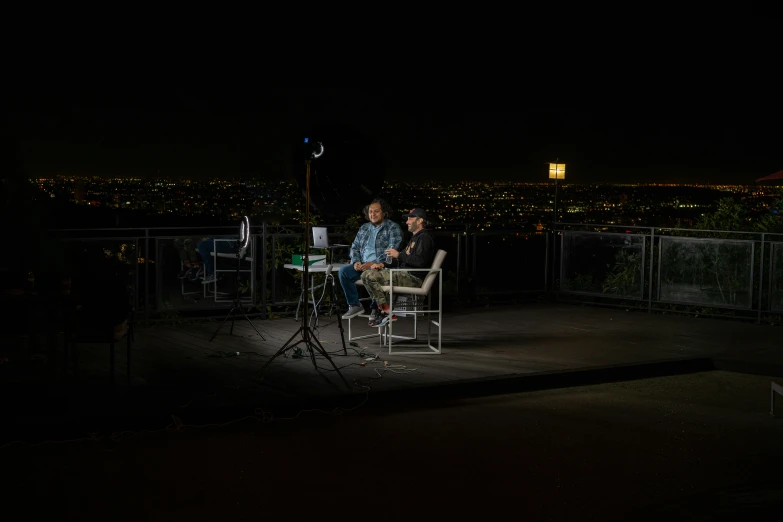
373 239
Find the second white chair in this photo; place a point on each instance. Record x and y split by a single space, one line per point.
414 306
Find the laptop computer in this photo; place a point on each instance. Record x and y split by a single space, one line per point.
321 239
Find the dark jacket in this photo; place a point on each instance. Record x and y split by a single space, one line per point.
418 253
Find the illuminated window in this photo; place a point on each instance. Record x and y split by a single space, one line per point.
557 170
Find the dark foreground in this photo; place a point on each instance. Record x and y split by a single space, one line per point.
689 447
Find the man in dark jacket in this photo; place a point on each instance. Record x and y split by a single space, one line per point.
419 253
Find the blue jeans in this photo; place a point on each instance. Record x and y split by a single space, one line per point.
348 277
205 248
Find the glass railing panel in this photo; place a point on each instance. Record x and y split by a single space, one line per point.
603 263
507 262
712 272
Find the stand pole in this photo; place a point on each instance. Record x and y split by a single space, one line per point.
308 337
554 235
237 304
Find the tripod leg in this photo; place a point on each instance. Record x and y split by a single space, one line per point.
298 304
339 318
233 310
342 334
230 314
314 343
281 351
309 343
253 325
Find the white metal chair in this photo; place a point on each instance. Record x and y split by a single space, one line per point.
219 296
413 305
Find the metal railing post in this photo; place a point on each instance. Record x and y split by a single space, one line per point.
264 272
546 265
136 274
157 282
771 274
554 256
761 277
274 272
459 253
473 259
467 249
650 284
146 276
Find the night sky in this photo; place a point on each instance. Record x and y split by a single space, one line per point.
707 112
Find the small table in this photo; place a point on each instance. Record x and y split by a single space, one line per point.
329 271
312 270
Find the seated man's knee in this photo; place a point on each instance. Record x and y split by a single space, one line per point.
346 271
371 275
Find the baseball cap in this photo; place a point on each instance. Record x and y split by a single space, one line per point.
417 212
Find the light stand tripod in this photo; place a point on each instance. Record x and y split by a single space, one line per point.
308 337
242 244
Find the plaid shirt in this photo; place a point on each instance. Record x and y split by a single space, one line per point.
389 235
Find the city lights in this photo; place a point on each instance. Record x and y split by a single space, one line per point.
470 205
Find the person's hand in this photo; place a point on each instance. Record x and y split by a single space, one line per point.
357 266
377 266
391 252
367 265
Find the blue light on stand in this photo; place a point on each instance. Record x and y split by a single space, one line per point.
307 139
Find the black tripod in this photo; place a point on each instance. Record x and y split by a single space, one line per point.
237 308
308 338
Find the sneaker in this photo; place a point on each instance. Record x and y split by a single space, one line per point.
385 319
353 311
375 317
185 272
207 280
195 275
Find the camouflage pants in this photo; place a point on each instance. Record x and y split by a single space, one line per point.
374 280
